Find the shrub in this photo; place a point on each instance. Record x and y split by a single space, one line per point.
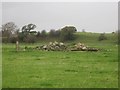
102 37
13 39
4 39
29 39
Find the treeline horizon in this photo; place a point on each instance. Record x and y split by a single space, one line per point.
10 33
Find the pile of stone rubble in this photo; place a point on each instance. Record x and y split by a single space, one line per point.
53 46
60 46
82 47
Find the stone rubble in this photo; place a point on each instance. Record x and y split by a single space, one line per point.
60 46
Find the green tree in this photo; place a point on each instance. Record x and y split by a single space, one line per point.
52 33
27 35
57 33
27 28
38 34
67 33
43 33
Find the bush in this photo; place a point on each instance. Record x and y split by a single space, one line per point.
102 37
13 39
29 39
21 37
38 34
4 40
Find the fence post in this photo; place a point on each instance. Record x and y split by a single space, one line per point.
17 45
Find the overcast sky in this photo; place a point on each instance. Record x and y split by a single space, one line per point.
91 16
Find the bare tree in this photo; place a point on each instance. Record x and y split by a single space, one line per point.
8 30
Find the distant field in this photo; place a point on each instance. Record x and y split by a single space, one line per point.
57 69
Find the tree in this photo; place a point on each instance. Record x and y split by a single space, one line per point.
52 33
67 33
57 33
43 33
29 39
27 28
38 34
27 35
9 30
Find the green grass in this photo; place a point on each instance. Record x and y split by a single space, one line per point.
57 69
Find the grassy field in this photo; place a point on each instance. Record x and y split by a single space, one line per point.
57 69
